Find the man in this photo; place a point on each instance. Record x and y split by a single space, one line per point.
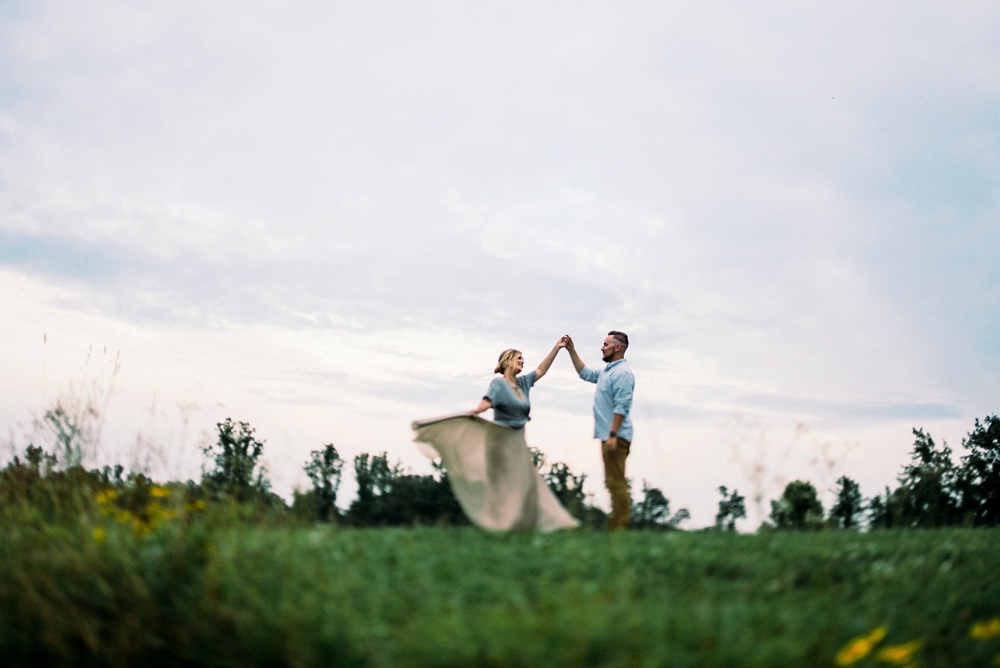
612 404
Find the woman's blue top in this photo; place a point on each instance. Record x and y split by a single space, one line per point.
508 408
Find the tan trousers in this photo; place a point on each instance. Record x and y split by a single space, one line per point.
614 480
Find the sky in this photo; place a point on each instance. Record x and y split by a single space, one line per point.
328 219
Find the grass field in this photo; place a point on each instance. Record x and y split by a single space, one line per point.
218 593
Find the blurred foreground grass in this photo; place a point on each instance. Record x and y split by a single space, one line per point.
217 590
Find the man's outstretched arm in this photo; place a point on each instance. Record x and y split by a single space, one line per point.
571 347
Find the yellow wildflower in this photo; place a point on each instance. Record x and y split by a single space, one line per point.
986 630
194 506
899 655
100 535
860 647
140 528
107 496
159 492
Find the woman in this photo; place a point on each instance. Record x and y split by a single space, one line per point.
489 466
508 395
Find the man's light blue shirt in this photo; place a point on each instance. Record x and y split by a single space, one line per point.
615 384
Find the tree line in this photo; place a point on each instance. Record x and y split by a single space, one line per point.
933 491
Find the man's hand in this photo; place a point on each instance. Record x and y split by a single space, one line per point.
577 362
611 444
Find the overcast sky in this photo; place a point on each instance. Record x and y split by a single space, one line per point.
328 219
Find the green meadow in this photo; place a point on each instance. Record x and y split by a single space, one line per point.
182 585
109 568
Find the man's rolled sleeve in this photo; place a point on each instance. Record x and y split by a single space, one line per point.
589 375
621 394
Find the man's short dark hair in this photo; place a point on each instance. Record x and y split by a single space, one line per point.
620 338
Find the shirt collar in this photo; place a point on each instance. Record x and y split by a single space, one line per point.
615 363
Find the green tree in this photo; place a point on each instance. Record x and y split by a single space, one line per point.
537 457
388 496
732 507
885 511
979 476
798 508
324 470
653 511
849 504
567 487
375 476
926 496
237 473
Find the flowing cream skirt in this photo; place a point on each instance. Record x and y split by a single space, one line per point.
491 473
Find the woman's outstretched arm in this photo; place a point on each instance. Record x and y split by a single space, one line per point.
483 406
543 366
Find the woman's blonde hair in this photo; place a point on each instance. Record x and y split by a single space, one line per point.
506 357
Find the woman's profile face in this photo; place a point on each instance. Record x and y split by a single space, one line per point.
511 361
518 363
